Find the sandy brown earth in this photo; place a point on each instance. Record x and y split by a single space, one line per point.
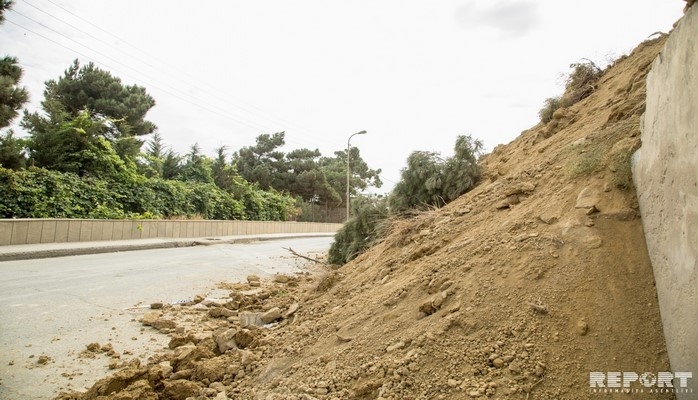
517 290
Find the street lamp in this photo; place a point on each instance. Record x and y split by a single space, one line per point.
349 168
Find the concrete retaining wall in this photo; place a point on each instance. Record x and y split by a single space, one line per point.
666 176
31 231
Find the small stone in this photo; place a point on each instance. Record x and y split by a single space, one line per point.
280 278
291 310
395 346
582 327
592 210
253 278
344 338
93 347
498 363
427 307
539 371
271 315
150 317
452 383
156 306
43 360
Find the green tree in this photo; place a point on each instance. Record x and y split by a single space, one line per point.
12 153
171 165
12 97
430 180
4 6
121 109
225 176
262 162
362 176
151 160
196 166
77 146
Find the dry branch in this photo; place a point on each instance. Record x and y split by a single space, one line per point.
305 257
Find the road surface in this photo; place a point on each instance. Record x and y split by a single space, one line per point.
56 307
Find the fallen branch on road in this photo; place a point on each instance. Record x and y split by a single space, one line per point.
305 257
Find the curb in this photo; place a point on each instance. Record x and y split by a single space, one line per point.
165 244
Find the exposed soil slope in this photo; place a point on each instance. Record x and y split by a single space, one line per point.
517 290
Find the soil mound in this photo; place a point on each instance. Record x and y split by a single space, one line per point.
517 290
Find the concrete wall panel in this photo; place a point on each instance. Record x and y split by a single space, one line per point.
30 231
665 171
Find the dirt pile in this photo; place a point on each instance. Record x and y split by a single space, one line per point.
517 290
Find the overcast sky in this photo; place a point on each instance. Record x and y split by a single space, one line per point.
414 74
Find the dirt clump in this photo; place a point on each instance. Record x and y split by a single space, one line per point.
518 289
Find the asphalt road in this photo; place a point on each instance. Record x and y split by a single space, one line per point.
55 307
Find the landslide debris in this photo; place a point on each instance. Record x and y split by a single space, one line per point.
518 289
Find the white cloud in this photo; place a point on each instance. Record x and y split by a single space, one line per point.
510 17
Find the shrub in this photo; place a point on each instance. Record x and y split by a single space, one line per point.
41 193
361 231
580 83
431 181
549 107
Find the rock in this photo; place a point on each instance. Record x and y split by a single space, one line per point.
253 278
271 315
539 371
182 352
150 317
180 389
212 369
226 340
247 357
163 323
452 383
508 202
94 347
243 338
427 308
182 374
498 362
280 278
344 338
255 283
156 306
592 210
198 298
291 310
395 346
522 187
548 218
250 319
587 198
43 360
582 327
220 312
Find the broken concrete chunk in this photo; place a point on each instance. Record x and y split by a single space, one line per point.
250 318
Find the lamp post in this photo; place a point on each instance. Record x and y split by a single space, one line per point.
349 168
